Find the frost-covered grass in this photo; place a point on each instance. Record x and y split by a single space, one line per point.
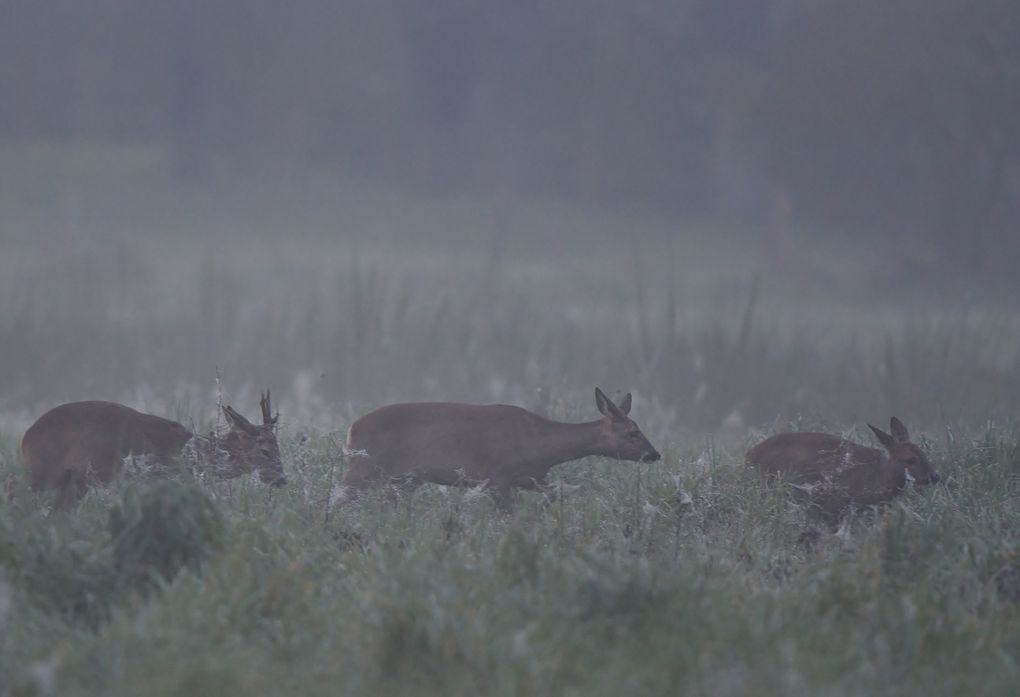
684 577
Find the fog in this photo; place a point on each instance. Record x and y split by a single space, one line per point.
746 213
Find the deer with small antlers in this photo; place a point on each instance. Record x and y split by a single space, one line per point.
82 444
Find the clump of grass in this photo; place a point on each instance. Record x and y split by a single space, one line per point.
160 529
60 570
79 574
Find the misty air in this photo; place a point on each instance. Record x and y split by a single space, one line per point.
509 348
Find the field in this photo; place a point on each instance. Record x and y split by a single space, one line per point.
681 577
687 576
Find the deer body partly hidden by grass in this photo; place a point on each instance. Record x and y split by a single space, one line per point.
497 446
81 444
836 475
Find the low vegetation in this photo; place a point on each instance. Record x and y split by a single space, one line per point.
685 576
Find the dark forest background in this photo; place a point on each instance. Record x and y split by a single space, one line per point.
867 117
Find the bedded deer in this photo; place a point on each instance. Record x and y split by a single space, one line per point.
835 474
76 445
497 446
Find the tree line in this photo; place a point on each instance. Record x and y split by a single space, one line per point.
887 115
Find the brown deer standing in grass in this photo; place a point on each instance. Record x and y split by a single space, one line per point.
497 446
76 445
835 474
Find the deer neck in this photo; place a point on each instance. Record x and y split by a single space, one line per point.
894 476
562 442
214 456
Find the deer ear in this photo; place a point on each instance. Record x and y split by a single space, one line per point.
898 430
884 438
236 420
625 404
606 406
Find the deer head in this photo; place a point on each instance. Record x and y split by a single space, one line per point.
252 447
621 437
905 454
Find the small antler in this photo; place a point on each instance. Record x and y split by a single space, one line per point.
267 410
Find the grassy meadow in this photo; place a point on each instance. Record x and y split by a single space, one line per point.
687 576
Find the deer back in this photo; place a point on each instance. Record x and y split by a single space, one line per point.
806 457
92 439
442 442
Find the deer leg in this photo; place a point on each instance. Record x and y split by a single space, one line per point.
361 474
402 487
551 492
70 491
502 496
542 485
14 487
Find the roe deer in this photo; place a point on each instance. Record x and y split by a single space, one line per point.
836 474
497 446
75 445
